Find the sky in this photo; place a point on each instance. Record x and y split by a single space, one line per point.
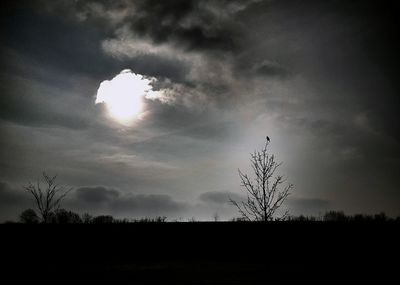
209 81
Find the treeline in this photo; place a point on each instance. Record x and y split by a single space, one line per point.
63 216
340 216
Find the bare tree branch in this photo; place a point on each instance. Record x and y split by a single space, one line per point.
47 200
264 193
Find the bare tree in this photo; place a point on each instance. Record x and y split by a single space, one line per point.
47 198
265 194
29 216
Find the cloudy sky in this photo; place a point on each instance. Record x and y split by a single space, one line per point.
208 81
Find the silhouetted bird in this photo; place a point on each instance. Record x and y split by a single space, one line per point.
268 140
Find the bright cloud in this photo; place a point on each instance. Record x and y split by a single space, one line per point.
124 96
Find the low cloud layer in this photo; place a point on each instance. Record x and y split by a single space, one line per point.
217 197
103 200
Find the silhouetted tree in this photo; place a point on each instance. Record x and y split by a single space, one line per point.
87 218
238 219
265 194
335 216
103 219
381 217
47 198
362 218
29 216
159 219
302 218
62 216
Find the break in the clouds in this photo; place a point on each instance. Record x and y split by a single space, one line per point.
124 95
207 81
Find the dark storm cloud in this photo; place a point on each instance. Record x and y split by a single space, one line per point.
194 25
182 21
96 194
170 39
65 44
100 199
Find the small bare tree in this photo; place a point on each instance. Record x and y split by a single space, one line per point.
47 198
265 194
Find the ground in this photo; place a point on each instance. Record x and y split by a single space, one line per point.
202 253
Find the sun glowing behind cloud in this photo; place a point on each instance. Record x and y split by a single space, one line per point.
124 96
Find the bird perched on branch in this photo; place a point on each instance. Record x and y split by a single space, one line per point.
268 140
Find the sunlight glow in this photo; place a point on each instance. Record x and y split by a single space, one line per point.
123 96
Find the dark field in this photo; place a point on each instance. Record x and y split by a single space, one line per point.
201 253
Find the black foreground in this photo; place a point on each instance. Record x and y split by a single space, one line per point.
201 253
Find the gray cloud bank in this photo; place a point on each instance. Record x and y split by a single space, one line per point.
99 199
